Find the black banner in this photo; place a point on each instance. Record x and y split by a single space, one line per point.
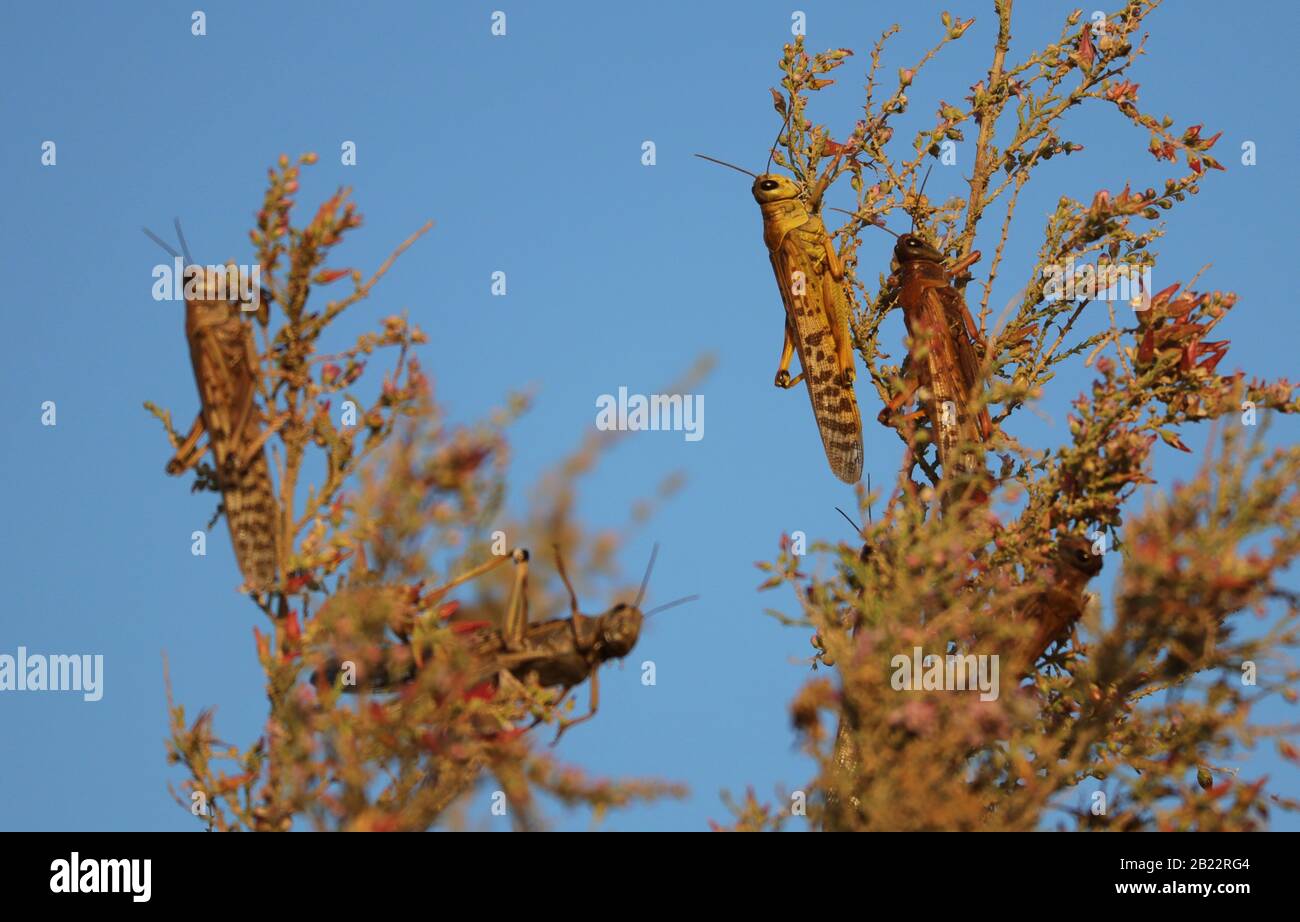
330 872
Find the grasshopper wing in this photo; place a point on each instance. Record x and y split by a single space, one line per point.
225 369
951 374
835 406
969 348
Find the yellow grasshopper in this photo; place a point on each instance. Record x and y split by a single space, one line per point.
818 308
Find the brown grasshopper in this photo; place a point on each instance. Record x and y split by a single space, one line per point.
560 652
810 275
226 371
951 349
1061 602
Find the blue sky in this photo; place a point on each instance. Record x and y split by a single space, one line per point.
526 150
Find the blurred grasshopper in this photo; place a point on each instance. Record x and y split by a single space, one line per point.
563 652
950 351
226 370
810 275
846 751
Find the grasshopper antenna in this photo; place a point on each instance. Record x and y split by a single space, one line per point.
645 581
885 229
854 214
726 164
573 596
180 235
158 240
176 222
919 193
772 150
673 604
856 526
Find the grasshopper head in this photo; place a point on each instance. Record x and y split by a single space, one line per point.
911 248
772 187
1076 553
620 629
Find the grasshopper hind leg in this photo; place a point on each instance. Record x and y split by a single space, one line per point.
838 315
836 302
844 355
516 621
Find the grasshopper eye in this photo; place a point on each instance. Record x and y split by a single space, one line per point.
768 185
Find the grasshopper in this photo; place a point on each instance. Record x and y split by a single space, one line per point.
226 371
811 278
1062 600
846 752
951 350
560 652
935 313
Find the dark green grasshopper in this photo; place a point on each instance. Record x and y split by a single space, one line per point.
560 652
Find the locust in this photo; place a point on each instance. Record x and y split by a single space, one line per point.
810 276
846 751
944 366
1062 600
559 652
226 372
